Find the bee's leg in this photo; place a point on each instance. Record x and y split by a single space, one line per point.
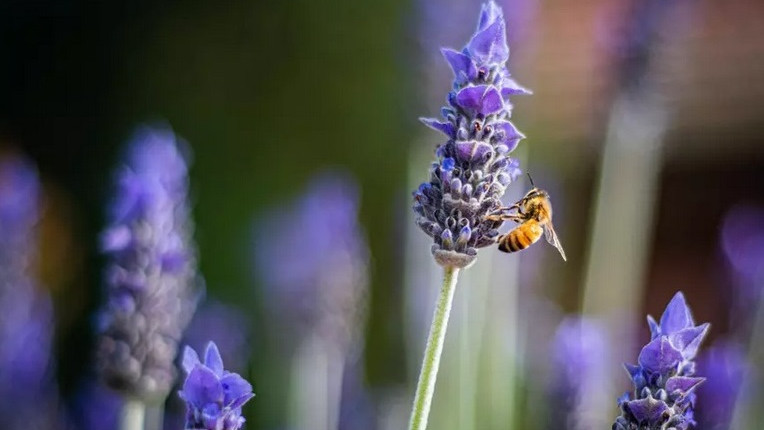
504 217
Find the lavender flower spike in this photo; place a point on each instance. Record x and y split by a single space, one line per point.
151 271
473 170
213 396
26 311
664 384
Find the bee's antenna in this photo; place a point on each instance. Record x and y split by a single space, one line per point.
530 179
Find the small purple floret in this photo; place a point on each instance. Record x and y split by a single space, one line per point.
213 396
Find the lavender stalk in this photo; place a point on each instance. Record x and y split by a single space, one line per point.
431 361
470 176
151 274
26 312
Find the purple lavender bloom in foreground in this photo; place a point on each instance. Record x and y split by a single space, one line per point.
578 357
664 385
151 271
473 170
213 395
25 312
313 260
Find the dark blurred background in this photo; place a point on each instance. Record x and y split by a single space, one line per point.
268 93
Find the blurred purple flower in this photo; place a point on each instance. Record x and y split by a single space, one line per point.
726 369
26 314
664 384
580 352
151 275
213 396
313 261
472 171
95 407
227 325
743 242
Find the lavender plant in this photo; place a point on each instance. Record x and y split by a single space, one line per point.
213 395
470 176
313 262
151 275
664 385
25 312
727 370
579 354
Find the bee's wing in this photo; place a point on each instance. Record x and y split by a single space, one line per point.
551 237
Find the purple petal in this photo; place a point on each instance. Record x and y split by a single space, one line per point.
202 387
483 99
190 359
116 239
683 383
659 356
462 65
509 87
444 127
490 44
510 136
237 403
688 340
655 328
211 416
489 13
472 151
212 359
647 410
677 315
234 386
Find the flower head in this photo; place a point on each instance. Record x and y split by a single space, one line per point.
663 380
151 271
578 357
26 313
213 396
473 170
313 260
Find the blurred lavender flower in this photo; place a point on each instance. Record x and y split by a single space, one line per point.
743 244
95 407
726 369
151 274
213 395
313 261
473 169
25 312
663 380
227 325
578 359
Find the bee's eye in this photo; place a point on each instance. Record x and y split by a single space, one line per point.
476 126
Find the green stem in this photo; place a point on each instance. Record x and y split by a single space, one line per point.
132 415
429 373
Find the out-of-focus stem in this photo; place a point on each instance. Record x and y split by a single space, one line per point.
430 363
621 229
132 414
316 387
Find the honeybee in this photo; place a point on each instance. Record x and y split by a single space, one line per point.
534 214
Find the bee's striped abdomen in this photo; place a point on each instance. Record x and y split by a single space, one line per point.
521 237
